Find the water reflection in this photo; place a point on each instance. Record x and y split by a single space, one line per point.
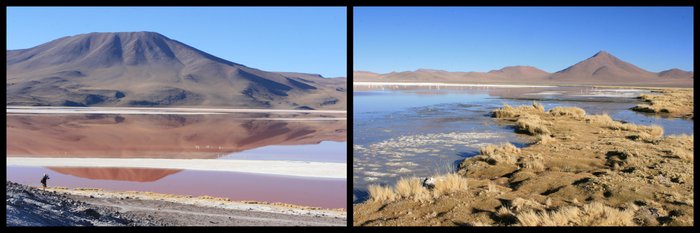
327 193
157 136
123 174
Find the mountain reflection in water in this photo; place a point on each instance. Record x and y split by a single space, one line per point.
157 136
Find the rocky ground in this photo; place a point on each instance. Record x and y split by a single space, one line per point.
29 206
579 170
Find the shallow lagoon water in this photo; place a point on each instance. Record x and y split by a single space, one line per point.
249 136
421 131
233 185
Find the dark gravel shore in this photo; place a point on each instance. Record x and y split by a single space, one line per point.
29 206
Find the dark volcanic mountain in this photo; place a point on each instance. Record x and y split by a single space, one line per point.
600 69
149 69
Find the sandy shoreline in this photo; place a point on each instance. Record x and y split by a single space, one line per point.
269 167
134 110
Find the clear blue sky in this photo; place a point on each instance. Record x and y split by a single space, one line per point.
295 39
550 38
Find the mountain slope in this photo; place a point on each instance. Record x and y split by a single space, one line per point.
601 69
520 72
675 73
149 69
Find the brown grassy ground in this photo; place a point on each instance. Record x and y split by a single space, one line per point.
668 102
583 170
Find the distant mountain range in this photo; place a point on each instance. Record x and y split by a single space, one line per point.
149 69
601 69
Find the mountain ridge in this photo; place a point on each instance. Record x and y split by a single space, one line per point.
150 69
602 68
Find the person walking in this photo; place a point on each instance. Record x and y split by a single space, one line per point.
43 180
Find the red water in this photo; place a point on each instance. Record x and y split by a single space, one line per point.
327 193
182 137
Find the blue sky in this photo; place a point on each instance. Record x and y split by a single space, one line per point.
550 38
295 39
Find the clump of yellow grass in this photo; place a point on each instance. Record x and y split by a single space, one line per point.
508 111
380 193
593 214
449 183
568 111
505 153
651 131
533 162
412 189
532 124
545 139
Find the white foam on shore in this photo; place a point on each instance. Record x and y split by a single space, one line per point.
269 167
133 110
370 84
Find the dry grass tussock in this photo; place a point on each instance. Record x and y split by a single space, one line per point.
521 205
533 162
646 108
545 139
650 132
644 137
412 189
505 148
537 106
505 153
491 187
532 124
681 139
679 142
593 214
568 111
380 193
504 215
449 183
508 111
653 131
603 119
683 155
675 102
